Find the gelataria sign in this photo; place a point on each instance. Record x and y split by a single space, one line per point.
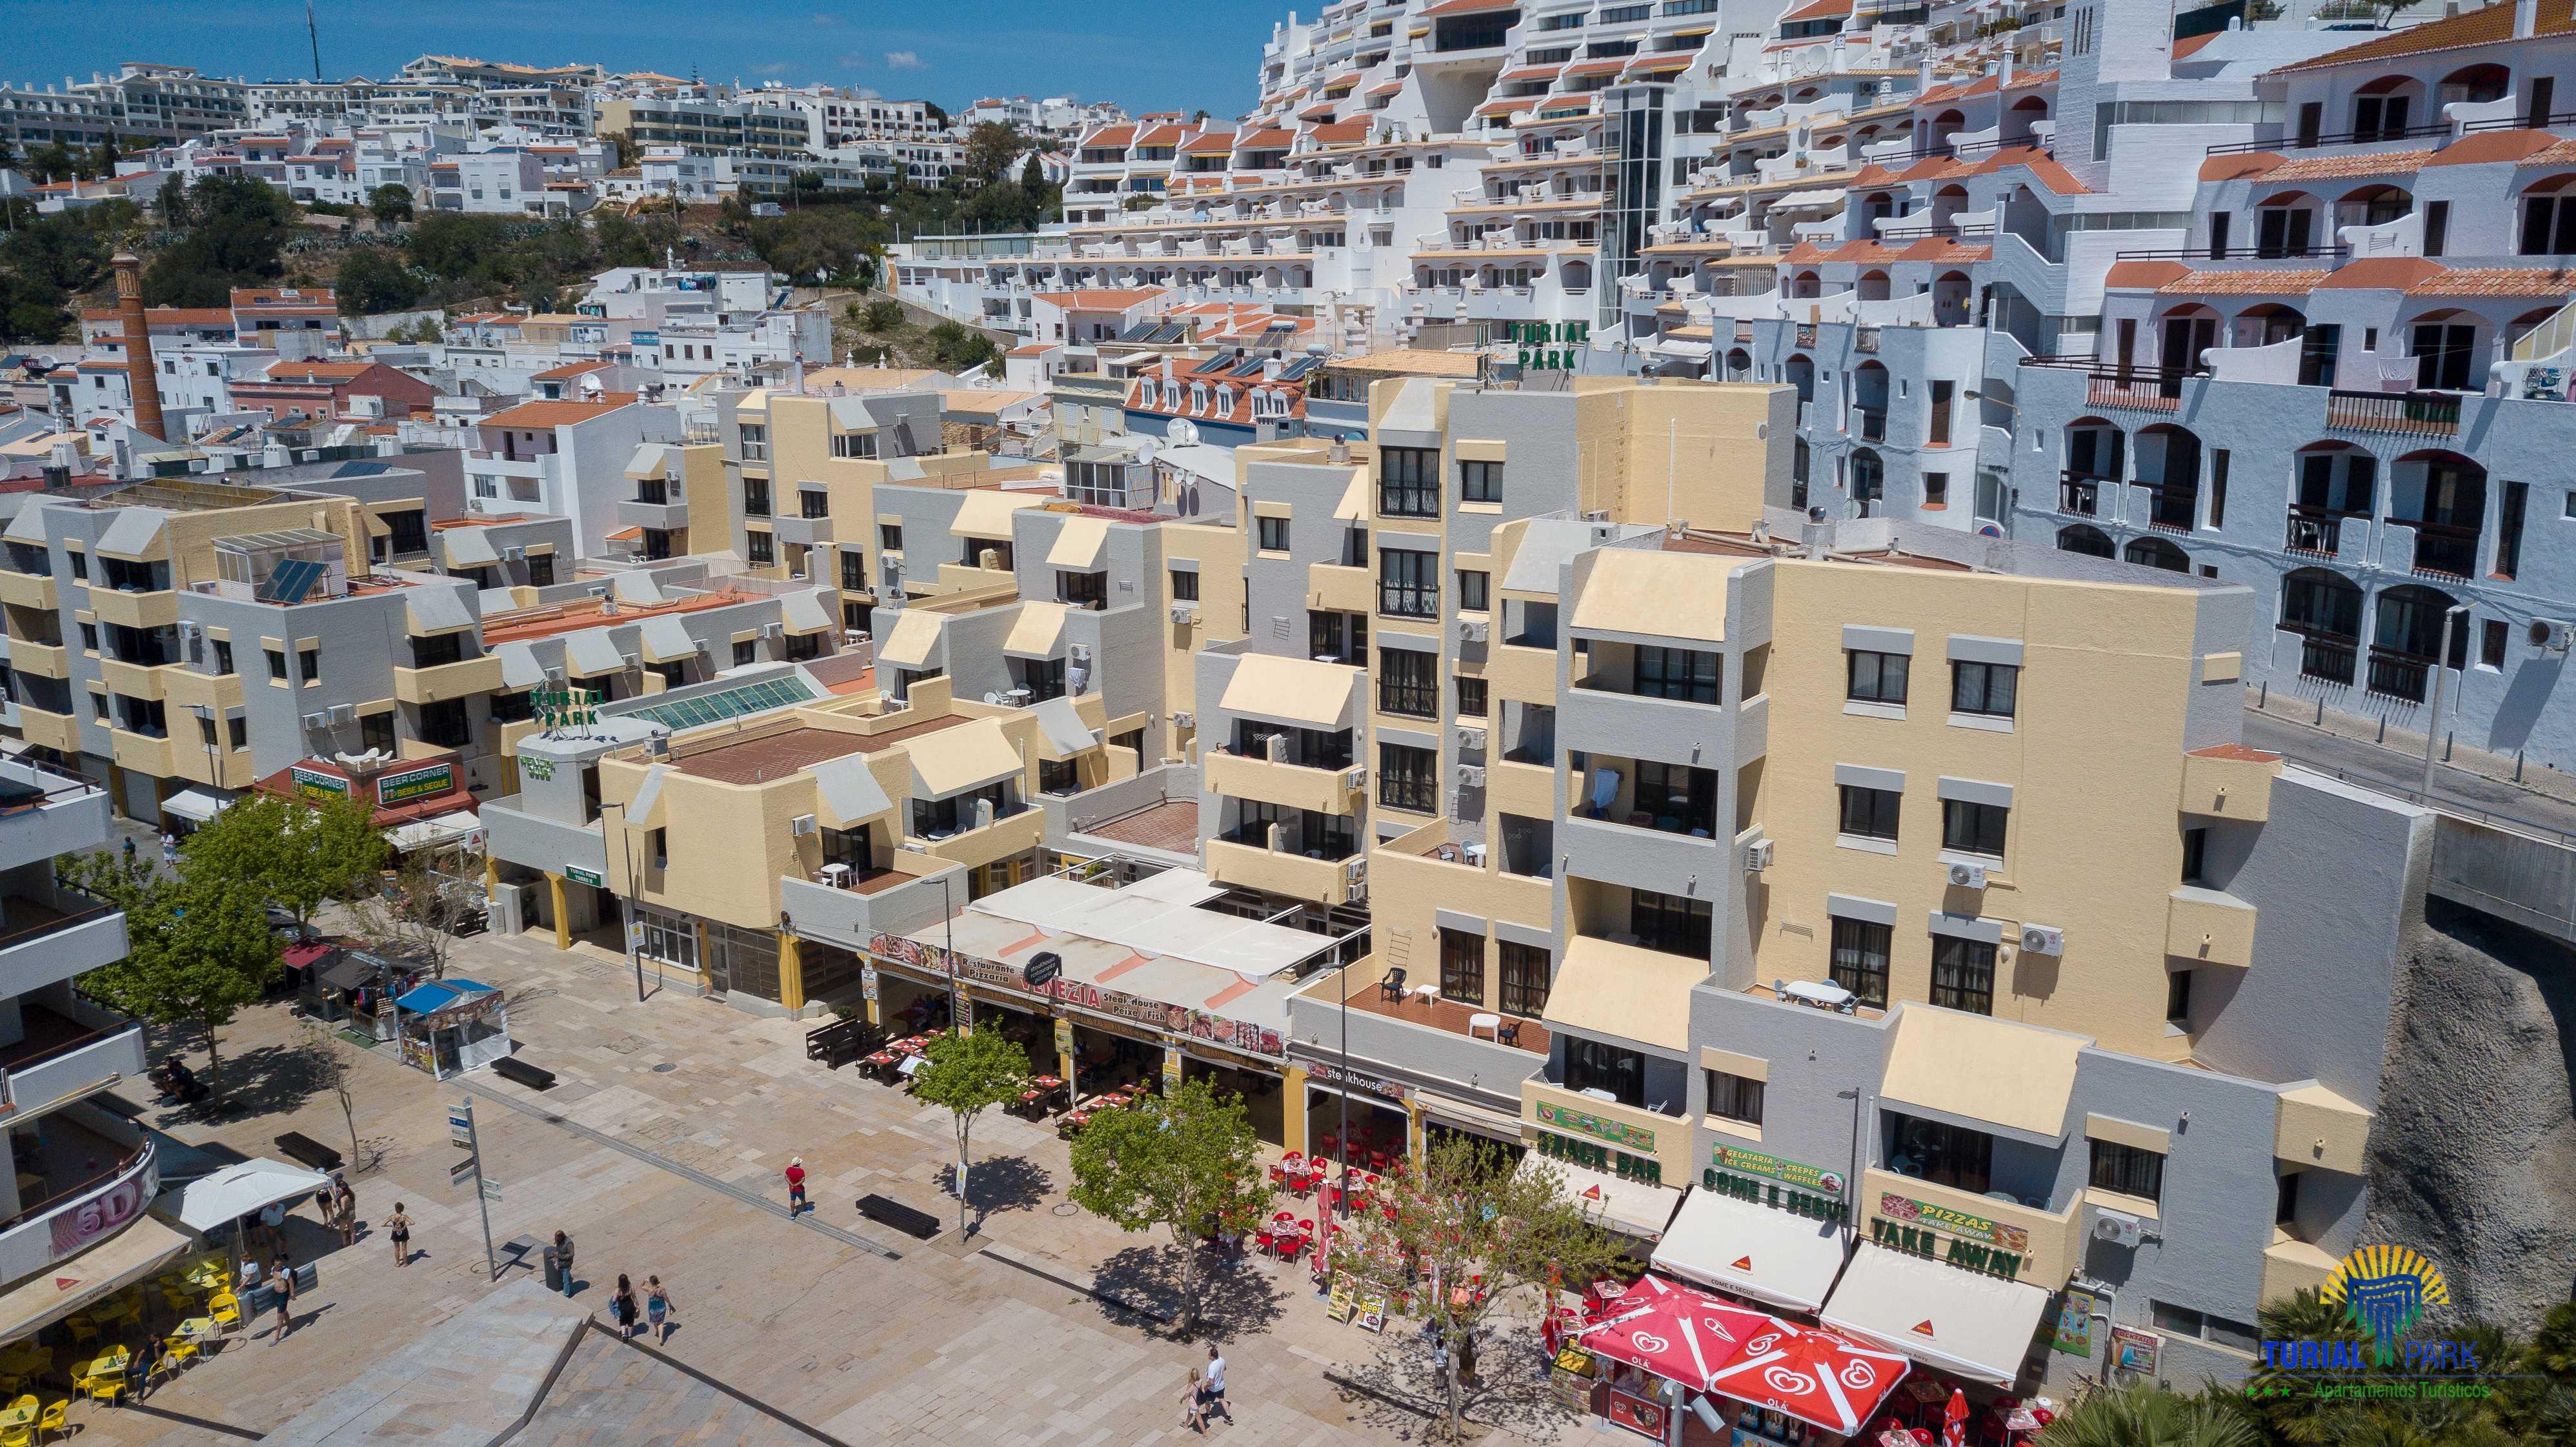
1178 1020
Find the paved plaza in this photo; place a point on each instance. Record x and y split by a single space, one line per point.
660 1149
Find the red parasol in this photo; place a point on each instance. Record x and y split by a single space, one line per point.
1815 1376
1954 1420
1672 1331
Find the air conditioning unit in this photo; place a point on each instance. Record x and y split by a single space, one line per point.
983 812
343 714
1471 736
2117 1227
317 720
1968 876
1274 747
1078 654
2552 635
1185 612
773 630
1472 630
599 592
514 555
802 826
1184 719
2041 939
1355 880
1471 776
1757 856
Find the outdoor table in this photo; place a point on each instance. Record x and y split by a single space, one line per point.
1079 1117
20 1415
1046 1082
2021 1419
196 1328
1926 1391
25 1359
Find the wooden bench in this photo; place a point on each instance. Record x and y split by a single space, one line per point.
918 1224
297 1146
511 1067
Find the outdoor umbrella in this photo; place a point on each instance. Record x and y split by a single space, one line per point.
1815 1376
213 1202
1674 1332
1954 1420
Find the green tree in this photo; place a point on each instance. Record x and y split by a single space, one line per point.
374 280
2145 1415
1466 1212
883 315
1188 1162
390 202
968 1074
236 237
52 162
48 260
198 948
955 349
991 147
1033 178
455 246
294 853
621 148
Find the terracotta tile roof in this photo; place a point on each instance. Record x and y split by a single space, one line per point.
2486 25
1214 143
1161 136
2245 283
1946 248
1611 66
1469 7
2558 153
2236 751
2042 166
2151 275
2382 273
1101 298
1268 138
1392 87
1530 72
2333 168
534 415
2190 45
1346 133
1108 136
1818 10
2489 147
569 370
317 372
2556 282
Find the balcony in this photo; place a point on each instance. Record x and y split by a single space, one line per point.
2209 926
87 1200
1873 423
1639 855
2135 391
1015 829
61 1058
1664 1139
1339 589
664 517
1524 788
802 531
533 841
916 893
2172 507
1517 670
1290 786
2444 549
1415 1036
45 660
2325 656
1279 872
57 731
441 682
146 753
44 814
2413 414
29 590
2314 530
2080 494
134 680
44 940
2291 1265
156 609
2055 1246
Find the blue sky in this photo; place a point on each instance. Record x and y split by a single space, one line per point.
1145 55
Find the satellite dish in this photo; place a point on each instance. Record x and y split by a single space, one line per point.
1183 432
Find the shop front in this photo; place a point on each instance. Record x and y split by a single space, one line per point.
451 1026
1369 1111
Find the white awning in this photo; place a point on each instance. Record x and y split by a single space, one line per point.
1960 1321
2009 1078
667 640
133 532
436 608
198 805
1078 546
1651 594
986 512
430 833
1038 632
1625 991
804 613
590 652
1752 1250
519 665
1821 196
467 547
1061 731
1633 1208
644 811
954 760
916 632
28 526
636 588
109 1267
212 1202
850 793
650 460
1292 690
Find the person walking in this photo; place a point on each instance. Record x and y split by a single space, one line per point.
344 1209
129 854
282 1277
563 1258
169 850
398 1226
622 1308
658 1307
796 1187
1194 1405
1216 1385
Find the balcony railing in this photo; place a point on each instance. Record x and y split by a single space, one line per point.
2314 530
2172 507
2079 494
2399 674
2148 391
2332 138
1873 423
2428 414
2445 548
2325 251
2329 658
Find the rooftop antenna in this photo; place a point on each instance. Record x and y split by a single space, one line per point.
314 35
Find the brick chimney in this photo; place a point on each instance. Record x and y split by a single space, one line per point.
140 377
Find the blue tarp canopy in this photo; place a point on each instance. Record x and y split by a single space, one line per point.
439 994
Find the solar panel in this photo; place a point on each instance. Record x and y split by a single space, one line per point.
1137 333
1170 332
1214 365
293 578
1300 368
1251 367
729 703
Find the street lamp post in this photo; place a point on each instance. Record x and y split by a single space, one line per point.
626 906
1851 1181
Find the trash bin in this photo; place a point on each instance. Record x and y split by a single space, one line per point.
554 1270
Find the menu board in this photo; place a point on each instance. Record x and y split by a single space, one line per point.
1373 1311
1338 1305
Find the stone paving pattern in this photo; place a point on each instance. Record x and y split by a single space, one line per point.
945 1345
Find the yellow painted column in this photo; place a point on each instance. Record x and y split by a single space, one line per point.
791 971
1064 1052
1413 1130
876 1006
491 878
563 923
1292 1109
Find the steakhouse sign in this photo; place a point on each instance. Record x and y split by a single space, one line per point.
1163 1016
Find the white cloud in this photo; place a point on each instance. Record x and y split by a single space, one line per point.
775 67
822 19
855 61
904 60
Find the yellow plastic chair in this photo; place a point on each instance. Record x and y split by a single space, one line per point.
24 1436
108 1387
178 1349
54 1419
225 1308
84 1330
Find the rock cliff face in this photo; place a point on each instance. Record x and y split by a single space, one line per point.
2473 1161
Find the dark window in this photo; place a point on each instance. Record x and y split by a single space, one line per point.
1875 677
89 638
1475 591
408 531
1936 487
1408 682
2128 1170
2508 558
890 537
2195 854
2218 224
308 661
2444 353
1870 813
2548 227
1274 534
762 550
1621 1073
1525 972
2178 998
1462 967
1185 586
747 651
1973 828
1471 698
1963 974
446 724
813 503
1480 481
1669 923
436 650
657 847
1677 673
1946 1155
541 571
1408 482
1082 590
1860 959
854 570
1682 800
1983 688
755 497
514 706
2285 1199
1408 583
80 565
1734 1097
2491 644
223 656
2437 226
2218 460
1058 777
1408 778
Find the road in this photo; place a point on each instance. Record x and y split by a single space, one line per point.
2391 771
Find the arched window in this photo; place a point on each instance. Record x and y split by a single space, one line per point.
2549 217
1873 286
2157 553
2381 110
2447 347
2285 225
2407 637
1868 481
2324 608
2085 538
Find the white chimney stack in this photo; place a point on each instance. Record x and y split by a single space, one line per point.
2526 19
